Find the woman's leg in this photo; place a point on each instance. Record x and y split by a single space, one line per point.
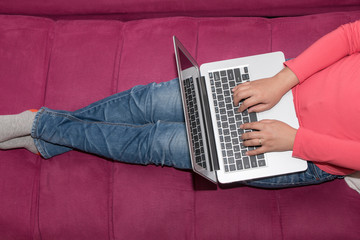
313 175
142 125
160 143
139 105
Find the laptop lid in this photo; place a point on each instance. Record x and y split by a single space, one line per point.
188 69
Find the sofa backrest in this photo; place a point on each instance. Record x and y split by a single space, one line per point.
136 9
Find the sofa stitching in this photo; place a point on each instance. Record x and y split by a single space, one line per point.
271 36
35 207
118 58
111 202
50 45
279 215
111 227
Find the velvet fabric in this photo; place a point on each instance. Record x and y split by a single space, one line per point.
68 64
139 9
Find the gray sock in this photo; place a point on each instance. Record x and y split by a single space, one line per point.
20 142
13 126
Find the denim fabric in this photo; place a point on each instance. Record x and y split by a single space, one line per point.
313 175
144 125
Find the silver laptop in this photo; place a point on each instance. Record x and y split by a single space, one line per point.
212 121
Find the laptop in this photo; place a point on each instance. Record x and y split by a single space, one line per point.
212 121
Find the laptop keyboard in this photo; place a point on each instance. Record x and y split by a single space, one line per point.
197 140
229 119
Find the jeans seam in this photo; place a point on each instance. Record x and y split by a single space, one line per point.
282 185
317 177
36 122
95 122
40 149
38 146
111 100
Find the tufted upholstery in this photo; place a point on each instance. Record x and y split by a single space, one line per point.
66 63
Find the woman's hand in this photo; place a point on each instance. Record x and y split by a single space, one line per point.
269 136
263 94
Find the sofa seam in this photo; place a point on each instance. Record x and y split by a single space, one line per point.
115 88
50 43
35 206
271 36
111 202
280 215
34 209
118 57
197 38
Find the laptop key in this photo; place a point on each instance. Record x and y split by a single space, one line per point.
262 163
237 75
232 167
239 165
253 117
246 162
230 74
253 161
245 77
246 120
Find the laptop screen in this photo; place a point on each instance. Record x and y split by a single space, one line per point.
187 66
197 113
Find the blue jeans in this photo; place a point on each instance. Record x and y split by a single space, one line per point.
143 125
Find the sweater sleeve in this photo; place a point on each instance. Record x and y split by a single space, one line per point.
313 146
339 43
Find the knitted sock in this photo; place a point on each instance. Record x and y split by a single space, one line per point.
20 142
13 126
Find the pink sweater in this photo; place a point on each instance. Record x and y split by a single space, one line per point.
327 101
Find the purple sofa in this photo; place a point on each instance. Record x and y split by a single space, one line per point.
67 54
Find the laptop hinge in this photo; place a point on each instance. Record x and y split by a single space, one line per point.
210 139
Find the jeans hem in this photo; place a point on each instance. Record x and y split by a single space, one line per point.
38 146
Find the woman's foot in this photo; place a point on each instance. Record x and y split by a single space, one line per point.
20 142
18 125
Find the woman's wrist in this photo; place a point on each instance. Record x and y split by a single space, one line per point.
287 79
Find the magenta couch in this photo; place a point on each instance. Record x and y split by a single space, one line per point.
67 54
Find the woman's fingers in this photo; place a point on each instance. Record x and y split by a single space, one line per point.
257 151
252 135
252 125
268 135
240 93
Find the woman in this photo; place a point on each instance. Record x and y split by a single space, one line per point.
146 125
